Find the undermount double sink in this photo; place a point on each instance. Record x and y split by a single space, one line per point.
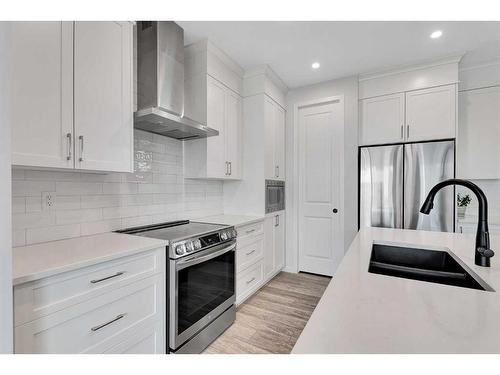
422 264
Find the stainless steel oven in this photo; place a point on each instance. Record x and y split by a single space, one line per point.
275 195
200 278
202 289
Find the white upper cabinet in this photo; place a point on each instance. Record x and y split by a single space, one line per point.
382 119
212 97
234 121
274 119
42 94
431 113
478 154
420 115
72 95
103 96
216 118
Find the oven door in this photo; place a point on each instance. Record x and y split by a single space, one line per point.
202 287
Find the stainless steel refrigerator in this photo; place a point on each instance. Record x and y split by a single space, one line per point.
395 179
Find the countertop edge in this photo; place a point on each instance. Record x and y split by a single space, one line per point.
26 278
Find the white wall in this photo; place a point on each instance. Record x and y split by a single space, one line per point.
348 87
5 208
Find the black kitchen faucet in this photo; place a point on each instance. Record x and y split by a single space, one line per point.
483 252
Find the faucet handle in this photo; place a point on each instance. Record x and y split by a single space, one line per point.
488 253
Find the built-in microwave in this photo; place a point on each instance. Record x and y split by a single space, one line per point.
275 195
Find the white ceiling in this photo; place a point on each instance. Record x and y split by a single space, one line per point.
344 48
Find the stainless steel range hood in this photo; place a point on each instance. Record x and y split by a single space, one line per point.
160 83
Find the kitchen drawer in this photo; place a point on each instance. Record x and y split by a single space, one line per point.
253 229
150 340
93 326
248 281
249 250
46 296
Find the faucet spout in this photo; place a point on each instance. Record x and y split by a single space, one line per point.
483 252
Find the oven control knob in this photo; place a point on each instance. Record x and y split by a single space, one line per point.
197 244
223 236
234 233
189 246
180 249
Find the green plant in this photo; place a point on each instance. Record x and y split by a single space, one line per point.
463 200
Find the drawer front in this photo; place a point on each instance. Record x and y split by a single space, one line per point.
150 340
40 298
92 325
250 250
253 229
248 281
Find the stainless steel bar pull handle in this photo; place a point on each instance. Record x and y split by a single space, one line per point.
250 231
69 137
251 280
276 220
407 131
227 168
81 147
107 277
402 132
230 168
250 252
97 328
276 171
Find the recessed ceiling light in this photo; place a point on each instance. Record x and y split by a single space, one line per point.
315 65
436 34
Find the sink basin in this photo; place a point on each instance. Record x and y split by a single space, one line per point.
422 264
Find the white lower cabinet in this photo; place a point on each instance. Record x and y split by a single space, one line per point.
114 307
274 254
260 254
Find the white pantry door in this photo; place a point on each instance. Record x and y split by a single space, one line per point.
321 244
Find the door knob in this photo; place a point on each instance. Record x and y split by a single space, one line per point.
335 210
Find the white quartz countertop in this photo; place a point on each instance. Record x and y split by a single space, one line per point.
361 312
235 220
34 262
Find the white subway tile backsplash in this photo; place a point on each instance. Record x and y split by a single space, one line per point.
19 237
97 201
118 212
100 226
33 220
34 204
24 188
18 205
89 203
78 188
119 188
52 233
78 216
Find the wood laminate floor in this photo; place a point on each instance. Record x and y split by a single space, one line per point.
272 319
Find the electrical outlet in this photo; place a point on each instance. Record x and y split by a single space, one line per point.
48 200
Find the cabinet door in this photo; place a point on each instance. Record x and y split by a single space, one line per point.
430 114
41 94
279 241
382 119
478 154
279 142
103 96
269 138
233 133
216 114
269 243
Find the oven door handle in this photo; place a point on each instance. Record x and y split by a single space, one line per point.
181 264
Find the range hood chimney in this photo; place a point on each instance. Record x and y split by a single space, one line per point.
160 83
